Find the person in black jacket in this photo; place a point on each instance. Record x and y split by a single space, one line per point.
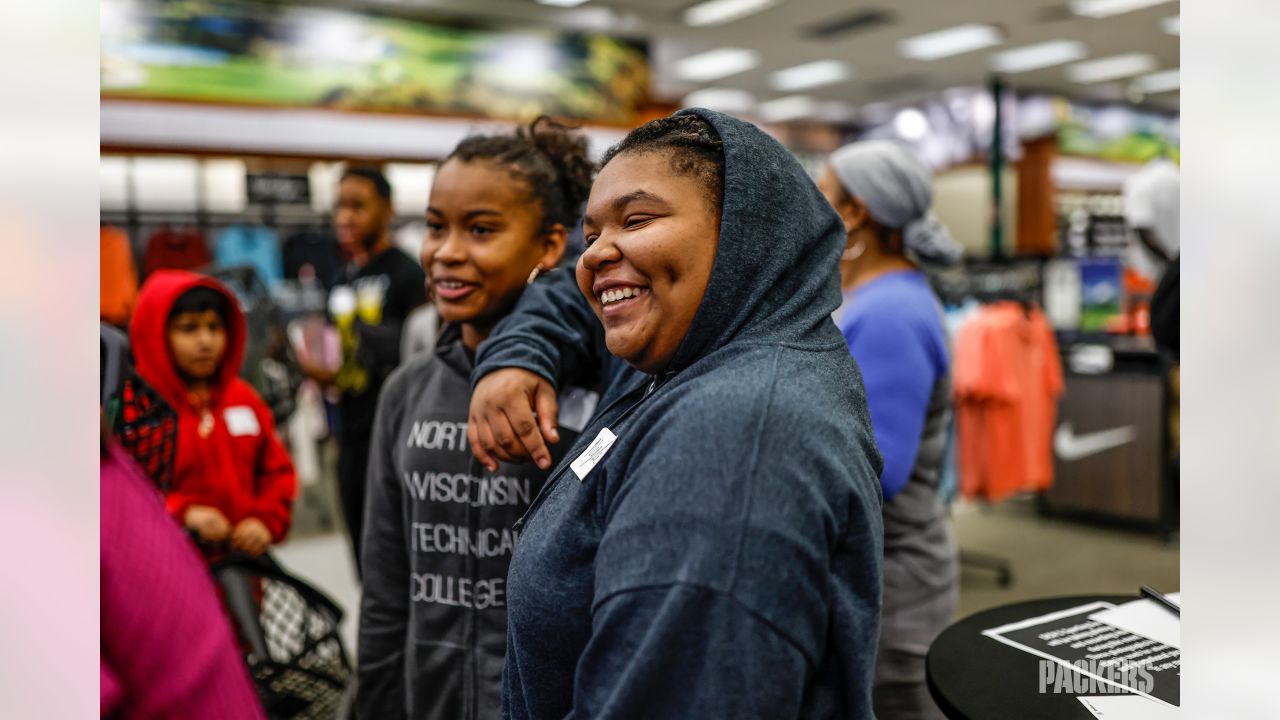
382 286
438 527
710 547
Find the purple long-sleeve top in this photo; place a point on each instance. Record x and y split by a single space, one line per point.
167 648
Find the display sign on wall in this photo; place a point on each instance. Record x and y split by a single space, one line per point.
278 188
223 51
1113 132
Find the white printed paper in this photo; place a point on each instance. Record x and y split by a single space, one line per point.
1147 618
1128 707
1090 649
588 459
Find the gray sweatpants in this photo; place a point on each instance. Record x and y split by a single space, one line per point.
908 625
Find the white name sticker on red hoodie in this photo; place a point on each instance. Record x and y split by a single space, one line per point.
241 421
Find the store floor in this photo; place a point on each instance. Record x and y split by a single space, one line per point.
1049 557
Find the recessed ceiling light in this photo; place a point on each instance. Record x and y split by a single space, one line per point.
1172 25
1040 55
787 108
953 41
719 12
730 100
1111 68
809 75
715 64
911 124
561 3
1163 81
1107 8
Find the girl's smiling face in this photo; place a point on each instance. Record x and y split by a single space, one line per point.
484 238
651 236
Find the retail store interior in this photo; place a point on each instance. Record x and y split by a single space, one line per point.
228 129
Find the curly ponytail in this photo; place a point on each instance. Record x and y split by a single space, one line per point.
550 158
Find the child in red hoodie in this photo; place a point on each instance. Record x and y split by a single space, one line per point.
233 481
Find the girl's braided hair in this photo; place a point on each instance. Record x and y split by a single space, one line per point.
548 157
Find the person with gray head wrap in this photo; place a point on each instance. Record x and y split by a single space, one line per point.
896 189
893 326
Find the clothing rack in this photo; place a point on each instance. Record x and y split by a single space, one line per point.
986 282
989 281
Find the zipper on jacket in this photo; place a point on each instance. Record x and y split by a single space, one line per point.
649 389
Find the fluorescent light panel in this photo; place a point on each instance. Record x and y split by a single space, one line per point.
561 3
787 108
809 75
716 64
719 12
945 43
1107 8
1163 81
1111 68
730 100
1172 25
1040 55
835 111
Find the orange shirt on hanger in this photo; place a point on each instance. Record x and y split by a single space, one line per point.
1007 381
118 276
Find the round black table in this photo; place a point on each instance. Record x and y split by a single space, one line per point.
973 677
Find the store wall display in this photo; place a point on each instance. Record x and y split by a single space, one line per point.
224 51
1102 288
1114 131
1108 445
962 202
1063 294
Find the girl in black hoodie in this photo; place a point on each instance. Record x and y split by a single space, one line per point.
438 527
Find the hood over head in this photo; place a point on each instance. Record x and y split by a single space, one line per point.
776 274
149 337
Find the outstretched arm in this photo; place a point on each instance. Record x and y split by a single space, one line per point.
550 339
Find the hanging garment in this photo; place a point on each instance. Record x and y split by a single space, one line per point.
1007 381
118 275
176 248
253 245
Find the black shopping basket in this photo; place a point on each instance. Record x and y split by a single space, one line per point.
290 634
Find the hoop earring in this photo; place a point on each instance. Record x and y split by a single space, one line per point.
849 253
537 270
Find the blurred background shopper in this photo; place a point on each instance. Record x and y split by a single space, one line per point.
383 285
893 324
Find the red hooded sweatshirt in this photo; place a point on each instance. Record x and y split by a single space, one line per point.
240 467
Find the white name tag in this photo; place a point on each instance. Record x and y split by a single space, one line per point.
588 459
241 421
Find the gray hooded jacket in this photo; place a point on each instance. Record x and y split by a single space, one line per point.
722 558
